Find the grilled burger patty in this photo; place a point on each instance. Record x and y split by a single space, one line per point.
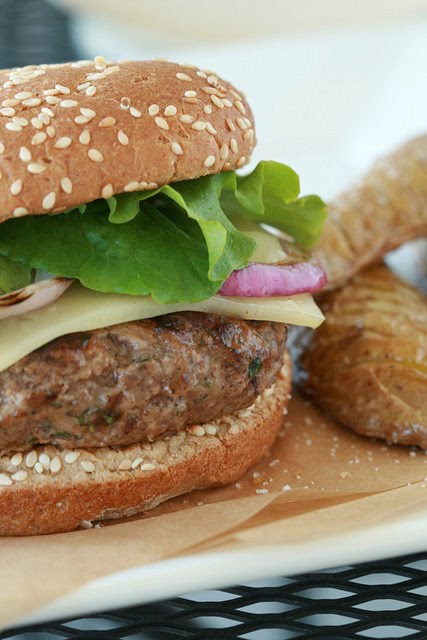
137 381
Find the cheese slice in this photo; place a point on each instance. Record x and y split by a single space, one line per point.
81 309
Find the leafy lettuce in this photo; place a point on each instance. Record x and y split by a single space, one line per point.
13 275
177 243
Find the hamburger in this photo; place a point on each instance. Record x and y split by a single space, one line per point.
144 303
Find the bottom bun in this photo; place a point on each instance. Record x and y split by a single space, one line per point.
49 490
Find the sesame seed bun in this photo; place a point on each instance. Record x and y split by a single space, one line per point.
72 133
86 485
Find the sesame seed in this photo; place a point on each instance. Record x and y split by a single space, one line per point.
177 149
88 466
84 137
38 138
44 118
37 124
23 95
68 104
125 465
212 91
125 103
5 480
161 122
241 161
235 95
107 122
100 60
9 102
24 154
16 187
83 86
122 138
95 155
190 94
234 146
226 102
31 102
131 186
31 459
71 456
210 160
217 102
38 467
230 124
211 429
48 111
240 107
223 152
134 112
50 132
50 92
8 111
53 99
19 211
170 110
187 119
248 135
213 80
87 113
81 120
241 124
36 168
66 185
107 191
55 464
191 100
147 466
95 76
234 429
199 126
110 70
90 91
64 90
63 143
153 109
48 201
211 129
136 463
197 430
183 76
19 476
201 74
85 524
12 126
207 109
1 148
16 459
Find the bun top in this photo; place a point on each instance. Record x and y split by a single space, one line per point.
71 133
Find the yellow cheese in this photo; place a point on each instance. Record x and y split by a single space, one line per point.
80 309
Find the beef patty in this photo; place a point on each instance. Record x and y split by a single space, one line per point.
137 381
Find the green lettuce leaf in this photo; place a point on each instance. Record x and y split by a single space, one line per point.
13 275
270 195
177 243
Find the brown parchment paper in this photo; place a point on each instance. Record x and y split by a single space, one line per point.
319 480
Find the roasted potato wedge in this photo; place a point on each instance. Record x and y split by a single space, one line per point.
367 364
387 208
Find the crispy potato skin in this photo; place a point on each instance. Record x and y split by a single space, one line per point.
367 364
387 208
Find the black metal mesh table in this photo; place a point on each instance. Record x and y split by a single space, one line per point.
384 599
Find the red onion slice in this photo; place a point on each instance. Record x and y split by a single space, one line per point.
266 280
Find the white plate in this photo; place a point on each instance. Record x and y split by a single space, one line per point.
327 104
